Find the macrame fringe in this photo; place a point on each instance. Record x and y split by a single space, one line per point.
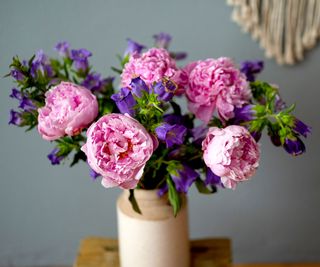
284 28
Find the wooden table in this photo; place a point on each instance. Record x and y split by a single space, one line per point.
103 252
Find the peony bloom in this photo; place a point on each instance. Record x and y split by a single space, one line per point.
216 84
231 153
69 108
151 66
118 148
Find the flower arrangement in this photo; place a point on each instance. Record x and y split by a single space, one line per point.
138 136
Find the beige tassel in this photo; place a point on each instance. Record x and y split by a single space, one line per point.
284 28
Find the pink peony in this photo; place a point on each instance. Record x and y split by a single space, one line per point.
69 108
231 153
151 66
118 148
216 84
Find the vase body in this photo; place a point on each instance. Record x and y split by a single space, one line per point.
156 238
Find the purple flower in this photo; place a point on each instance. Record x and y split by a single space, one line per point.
245 113
125 101
63 49
163 190
26 104
80 58
15 118
279 104
184 178
41 64
162 40
251 68
138 86
171 134
294 146
94 82
94 175
178 55
54 157
199 133
211 178
275 139
133 47
256 135
301 128
173 119
17 74
16 94
165 89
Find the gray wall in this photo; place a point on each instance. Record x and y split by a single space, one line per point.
45 211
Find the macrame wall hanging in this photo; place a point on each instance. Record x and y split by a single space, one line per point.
284 28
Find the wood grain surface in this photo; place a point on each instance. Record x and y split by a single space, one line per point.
103 252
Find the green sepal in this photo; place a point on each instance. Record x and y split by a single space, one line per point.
202 188
80 155
134 202
116 70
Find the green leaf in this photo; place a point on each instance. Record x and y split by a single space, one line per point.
80 155
176 108
116 70
134 202
174 197
202 187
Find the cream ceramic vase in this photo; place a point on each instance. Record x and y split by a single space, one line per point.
156 238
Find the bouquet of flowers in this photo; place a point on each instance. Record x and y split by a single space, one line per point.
138 137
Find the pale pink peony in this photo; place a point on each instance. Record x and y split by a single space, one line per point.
151 67
69 108
216 84
231 153
118 148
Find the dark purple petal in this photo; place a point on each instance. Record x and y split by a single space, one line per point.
94 175
279 104
80 54
63 48
93 82
81 64
245 113
199 133
41 63
171 134
16 94
125 101
80 58
16 74
301 128
15 118
275 139
162 40
138 86
133 47
211 178
161 132
256 135
54 158
251 69
294 146
184 178
173 119
163 190
178 55
26 104
165 89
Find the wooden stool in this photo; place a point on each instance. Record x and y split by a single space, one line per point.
103 252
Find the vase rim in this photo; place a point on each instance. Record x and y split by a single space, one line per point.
145 194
